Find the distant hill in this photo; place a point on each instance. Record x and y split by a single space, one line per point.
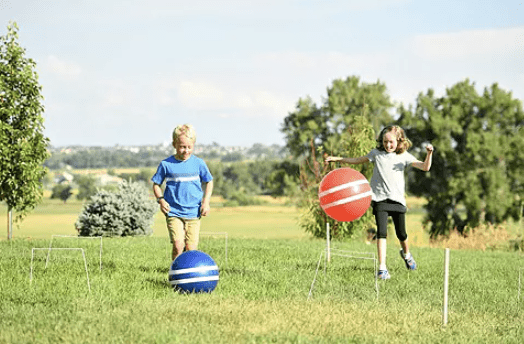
151 155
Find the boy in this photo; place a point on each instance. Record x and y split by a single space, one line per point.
189 186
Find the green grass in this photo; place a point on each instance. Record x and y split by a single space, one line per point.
262 295
265 222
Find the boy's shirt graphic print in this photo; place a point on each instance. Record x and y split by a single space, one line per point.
183 189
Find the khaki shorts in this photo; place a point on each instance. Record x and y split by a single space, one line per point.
186 230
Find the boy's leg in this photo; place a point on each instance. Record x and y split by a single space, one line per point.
175 227
192 234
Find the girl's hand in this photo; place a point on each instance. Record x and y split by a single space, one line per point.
429 148
332 158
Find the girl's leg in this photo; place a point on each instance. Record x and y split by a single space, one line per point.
400 227
381 249
399 219
381 219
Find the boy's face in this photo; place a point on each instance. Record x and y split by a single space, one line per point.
390 142
184 148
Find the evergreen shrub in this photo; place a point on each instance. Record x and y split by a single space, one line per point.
128 211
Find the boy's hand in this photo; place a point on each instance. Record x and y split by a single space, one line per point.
164 206
205 208
429 148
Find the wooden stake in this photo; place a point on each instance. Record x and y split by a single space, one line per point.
446 285
328 253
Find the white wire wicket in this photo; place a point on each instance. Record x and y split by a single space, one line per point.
69 249
72 237
330 252
214 234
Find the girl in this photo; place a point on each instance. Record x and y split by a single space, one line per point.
387 184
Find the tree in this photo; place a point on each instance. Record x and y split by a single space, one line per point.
23 146
344 125
356 141
129 211
326 123
87 186
61 191
476 174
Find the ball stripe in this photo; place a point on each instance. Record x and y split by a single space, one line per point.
347 200
197 269
342 187
194 280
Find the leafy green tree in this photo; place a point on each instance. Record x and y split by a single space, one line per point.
283 179
23 146
323 125
344 125
87 186
307 124
476 174
61 191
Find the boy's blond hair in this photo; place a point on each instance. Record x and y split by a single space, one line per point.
186 130
403 143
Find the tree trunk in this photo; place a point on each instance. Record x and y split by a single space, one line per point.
9 223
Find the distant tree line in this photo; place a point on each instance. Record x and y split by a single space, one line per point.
149 156
237 182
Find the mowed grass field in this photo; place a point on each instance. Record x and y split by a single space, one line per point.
270 221
265 222
262 295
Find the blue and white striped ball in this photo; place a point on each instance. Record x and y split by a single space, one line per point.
194 272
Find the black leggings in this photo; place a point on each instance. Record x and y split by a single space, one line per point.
386 208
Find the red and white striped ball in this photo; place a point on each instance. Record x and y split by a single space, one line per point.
344 194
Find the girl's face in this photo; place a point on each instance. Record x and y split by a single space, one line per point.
184 148
389 141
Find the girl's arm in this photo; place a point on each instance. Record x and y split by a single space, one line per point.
426 165
352 161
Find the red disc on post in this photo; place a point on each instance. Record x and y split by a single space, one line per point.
344 194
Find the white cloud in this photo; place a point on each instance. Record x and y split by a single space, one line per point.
205 95
117 93
465 44
312 62
200 95
64 69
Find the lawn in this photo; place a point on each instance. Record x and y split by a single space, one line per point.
262 295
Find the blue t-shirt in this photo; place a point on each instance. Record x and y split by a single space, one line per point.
388 181
183 189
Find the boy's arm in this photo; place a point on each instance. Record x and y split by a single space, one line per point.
159 194
208 190
352 161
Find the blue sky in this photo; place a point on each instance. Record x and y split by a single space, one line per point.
127 72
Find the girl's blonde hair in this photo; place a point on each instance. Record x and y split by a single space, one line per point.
186 130
403 143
